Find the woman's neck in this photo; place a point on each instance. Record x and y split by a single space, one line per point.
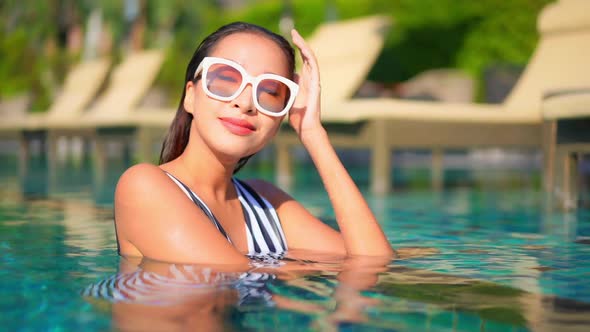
205 172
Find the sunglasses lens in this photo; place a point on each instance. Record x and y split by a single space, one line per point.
272 95
223 80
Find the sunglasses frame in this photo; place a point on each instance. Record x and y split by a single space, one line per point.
246 79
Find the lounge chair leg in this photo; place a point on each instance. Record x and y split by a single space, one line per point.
99 160
565 184
284 176
86 152
549 132
570 180
51 155
380 160
24 156
437 169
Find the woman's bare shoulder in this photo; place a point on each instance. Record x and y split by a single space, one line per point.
146 187
155 218
141 178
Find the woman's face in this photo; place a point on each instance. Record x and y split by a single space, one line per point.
235 129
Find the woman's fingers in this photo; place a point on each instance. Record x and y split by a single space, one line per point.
300 43
306 108
307 54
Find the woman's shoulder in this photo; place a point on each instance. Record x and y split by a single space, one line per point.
145 195
143 174
142 169
141 180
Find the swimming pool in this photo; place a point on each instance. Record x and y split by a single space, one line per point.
471 260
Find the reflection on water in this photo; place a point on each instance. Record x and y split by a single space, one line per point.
469 260
71 178
360 292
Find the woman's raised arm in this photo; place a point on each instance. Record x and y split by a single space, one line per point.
361 234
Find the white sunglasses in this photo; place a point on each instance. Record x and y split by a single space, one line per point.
224 80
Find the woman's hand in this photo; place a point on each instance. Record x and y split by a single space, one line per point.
304 116
360 232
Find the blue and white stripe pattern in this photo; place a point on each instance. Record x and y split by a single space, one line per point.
265 234
183 283
263 228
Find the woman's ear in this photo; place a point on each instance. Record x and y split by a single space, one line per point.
189 95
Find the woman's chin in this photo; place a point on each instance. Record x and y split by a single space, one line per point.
232 153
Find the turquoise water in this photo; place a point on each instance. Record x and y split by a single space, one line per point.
488 259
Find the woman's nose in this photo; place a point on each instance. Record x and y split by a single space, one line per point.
245 100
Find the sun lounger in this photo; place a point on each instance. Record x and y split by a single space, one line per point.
129 82
80 87
560 62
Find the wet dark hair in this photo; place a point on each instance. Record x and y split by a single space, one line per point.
178 134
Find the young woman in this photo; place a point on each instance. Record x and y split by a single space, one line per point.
239 85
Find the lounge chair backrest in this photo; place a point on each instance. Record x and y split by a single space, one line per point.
346 52
81 85
561 60
129 82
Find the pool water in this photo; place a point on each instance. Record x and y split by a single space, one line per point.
490 259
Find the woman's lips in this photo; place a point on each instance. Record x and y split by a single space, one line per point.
238 126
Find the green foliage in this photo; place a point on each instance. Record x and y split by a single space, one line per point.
263 13
426 34
469 35
308 14
25 68
191 22
13 79
112 11
509 37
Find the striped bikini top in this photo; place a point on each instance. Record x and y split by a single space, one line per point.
263 228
